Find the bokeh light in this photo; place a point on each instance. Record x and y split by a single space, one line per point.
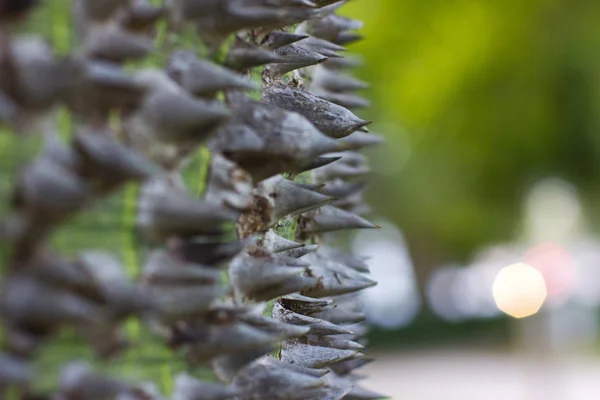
519 290
556 266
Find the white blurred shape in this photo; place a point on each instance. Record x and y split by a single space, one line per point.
441 293
586 257
457 293
552 212
395 301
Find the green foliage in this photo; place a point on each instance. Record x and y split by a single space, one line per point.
488 96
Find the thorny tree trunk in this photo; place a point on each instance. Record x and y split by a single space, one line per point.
171 232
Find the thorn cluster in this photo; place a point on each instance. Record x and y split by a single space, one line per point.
238 280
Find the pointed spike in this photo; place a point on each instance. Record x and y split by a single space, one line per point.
301 251
335 279
330 26
295 57
333 120
353 158
330 219
329 6
353 204
51 189
289 198
314 356
343 63
60 274
358 329
333 287
208 342
258 279
281 328
354 338
33 304
349 24
182 301
276 244
351 260
104 87
325 52
174 117
347 100
341 189
360 393
324 144
334 81
341 170
323 47
347 366
282 259
316 42
336 343
350 302
207 251
162 268
140 17
291 285
266 140
317 163
323 3
241 16
291 3
164 212
203 78
339 315
317 326
345 38
277 39
303 304
310 186
261 381
356 377
359 140
275 363
243 58
338 387
228 366
297 3
107 160
111 43
29 61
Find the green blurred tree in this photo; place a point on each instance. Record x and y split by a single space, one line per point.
487 96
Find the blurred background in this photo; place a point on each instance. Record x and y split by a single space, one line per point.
490 110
